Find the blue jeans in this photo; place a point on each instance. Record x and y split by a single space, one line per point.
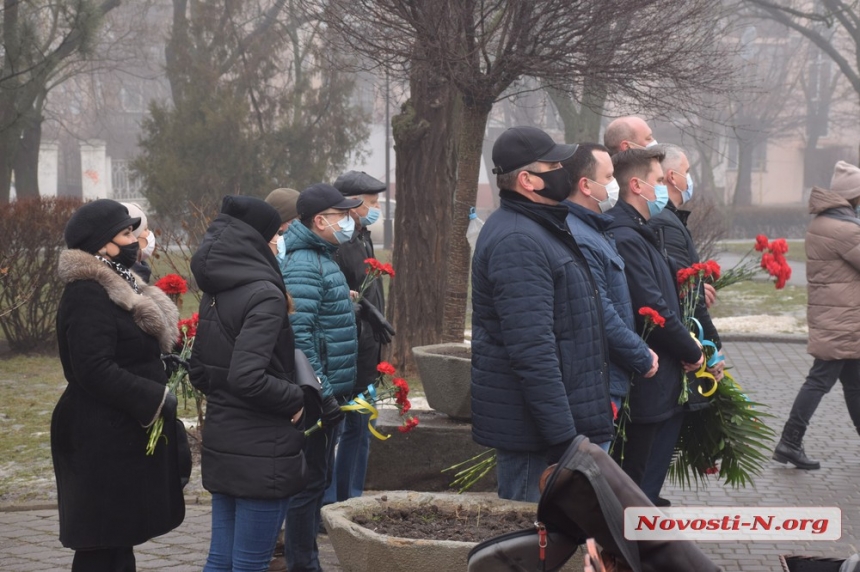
662 451
244 532
303 510
350 461
518 474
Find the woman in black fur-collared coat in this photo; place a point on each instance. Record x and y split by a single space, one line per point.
112 328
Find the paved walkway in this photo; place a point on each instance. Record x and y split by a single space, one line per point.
771 372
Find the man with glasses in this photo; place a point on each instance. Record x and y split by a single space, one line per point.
539 364
324 327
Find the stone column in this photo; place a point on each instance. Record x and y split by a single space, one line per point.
48 168
94 173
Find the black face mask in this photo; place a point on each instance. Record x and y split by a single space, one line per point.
127 254
556 184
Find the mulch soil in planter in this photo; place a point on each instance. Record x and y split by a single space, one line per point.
430 523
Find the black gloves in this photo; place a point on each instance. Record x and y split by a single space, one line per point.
382 330
168 410
555 452
172 363
331 414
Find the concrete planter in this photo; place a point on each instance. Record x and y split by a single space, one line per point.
359 549
446 374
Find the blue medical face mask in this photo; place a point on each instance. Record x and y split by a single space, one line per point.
347 228
373 214
687 195
661 197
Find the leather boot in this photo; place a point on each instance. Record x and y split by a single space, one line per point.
790 449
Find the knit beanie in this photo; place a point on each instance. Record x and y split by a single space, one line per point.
95 224
284 201
135 211
254 212
846 180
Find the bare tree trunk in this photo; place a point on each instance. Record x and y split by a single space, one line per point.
425 137
473 127
582 125
743 187
8 148
27 158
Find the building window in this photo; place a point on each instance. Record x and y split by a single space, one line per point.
759 155
126 186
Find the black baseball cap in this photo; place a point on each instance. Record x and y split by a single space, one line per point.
520 146
319 197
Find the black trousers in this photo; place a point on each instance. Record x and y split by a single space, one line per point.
821 378
105 560
634 454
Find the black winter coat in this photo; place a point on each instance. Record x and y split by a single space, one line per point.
671 228
110 493
653 285
540 374
350 258
244 361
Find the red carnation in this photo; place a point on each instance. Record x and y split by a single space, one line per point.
387 269
614 411
385 368
173 284
761 243
779 246
652 315
188 327
408 425
712 471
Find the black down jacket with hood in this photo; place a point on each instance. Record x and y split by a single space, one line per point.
244 361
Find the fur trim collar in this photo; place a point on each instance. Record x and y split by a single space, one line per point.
153 311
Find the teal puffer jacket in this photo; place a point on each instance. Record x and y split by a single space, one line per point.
323 321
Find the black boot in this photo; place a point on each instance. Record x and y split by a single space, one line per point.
790 449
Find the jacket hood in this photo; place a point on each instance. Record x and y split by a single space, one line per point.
232 254
300 237
821 200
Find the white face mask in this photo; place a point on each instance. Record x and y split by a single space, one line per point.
149 248
612 190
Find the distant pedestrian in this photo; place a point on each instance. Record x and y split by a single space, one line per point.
833 309
111 331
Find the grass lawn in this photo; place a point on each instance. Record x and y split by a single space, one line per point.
796 251
29 388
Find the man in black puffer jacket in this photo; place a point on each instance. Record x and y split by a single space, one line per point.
652 284
244 362
374 331
671 228
540 373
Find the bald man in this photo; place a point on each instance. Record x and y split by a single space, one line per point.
626 133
